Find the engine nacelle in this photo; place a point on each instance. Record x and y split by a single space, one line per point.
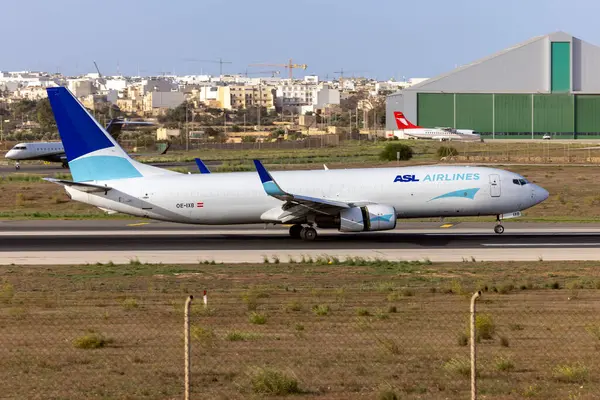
374 217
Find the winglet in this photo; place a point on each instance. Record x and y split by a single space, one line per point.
202 167
269 184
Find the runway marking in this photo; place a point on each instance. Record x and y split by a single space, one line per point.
139 224
540 244
447 226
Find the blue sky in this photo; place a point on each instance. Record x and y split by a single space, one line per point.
378 38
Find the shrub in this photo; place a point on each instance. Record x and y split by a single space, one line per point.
390 151
201 334
504 364
273 382
129 304
388 395
321 309
458 366
463 339
7 292
571 373
293 306
485 327
238 336
380 314
446 151
362 312
258 318
91 340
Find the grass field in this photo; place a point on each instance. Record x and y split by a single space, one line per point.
370 330
573 191
424 151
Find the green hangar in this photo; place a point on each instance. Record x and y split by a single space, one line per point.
548 84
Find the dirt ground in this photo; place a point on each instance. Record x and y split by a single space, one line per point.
339 331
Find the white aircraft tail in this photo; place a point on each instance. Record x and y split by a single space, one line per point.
92 153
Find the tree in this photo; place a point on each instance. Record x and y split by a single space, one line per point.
45 116
390 151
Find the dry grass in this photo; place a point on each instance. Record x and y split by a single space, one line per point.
329 336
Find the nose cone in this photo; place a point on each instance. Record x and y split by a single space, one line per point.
10 154
539 194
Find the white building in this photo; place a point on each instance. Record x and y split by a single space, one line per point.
31 93
118 84
81 87
157 85
304 97
324 97
294 95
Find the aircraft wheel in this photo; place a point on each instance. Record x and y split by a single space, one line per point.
295 231
499 229
308 234
65 165
17 167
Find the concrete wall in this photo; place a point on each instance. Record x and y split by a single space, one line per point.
393 102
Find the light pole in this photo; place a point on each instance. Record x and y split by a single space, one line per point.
187 129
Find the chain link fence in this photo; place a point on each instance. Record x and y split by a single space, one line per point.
361 340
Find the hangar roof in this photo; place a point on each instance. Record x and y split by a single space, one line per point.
523 68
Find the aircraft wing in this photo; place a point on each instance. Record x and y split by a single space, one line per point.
296 205
84 187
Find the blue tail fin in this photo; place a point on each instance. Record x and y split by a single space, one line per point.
92 153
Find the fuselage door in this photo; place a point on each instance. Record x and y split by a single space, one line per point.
495 185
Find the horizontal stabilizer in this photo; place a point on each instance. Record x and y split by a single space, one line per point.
202 167
83 187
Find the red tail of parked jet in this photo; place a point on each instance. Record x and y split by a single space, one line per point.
402 122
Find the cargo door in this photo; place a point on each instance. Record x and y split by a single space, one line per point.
495 185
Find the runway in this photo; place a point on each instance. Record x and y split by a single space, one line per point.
120 241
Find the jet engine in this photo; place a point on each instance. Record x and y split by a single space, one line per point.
374 217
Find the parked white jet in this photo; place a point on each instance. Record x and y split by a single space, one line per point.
412 131
350 200
54 151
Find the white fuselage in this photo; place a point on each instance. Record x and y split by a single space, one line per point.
439 134
239 198
46 151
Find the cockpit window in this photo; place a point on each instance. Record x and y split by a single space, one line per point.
520 182
20 147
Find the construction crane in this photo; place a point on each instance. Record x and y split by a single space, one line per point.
341 72
219 61
273 73
290 66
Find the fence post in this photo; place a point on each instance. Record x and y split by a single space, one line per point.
186 334
473 348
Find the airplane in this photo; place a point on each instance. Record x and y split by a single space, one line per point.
413 131
54 151
349 200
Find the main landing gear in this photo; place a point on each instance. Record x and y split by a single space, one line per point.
499 229
298 231
65 165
